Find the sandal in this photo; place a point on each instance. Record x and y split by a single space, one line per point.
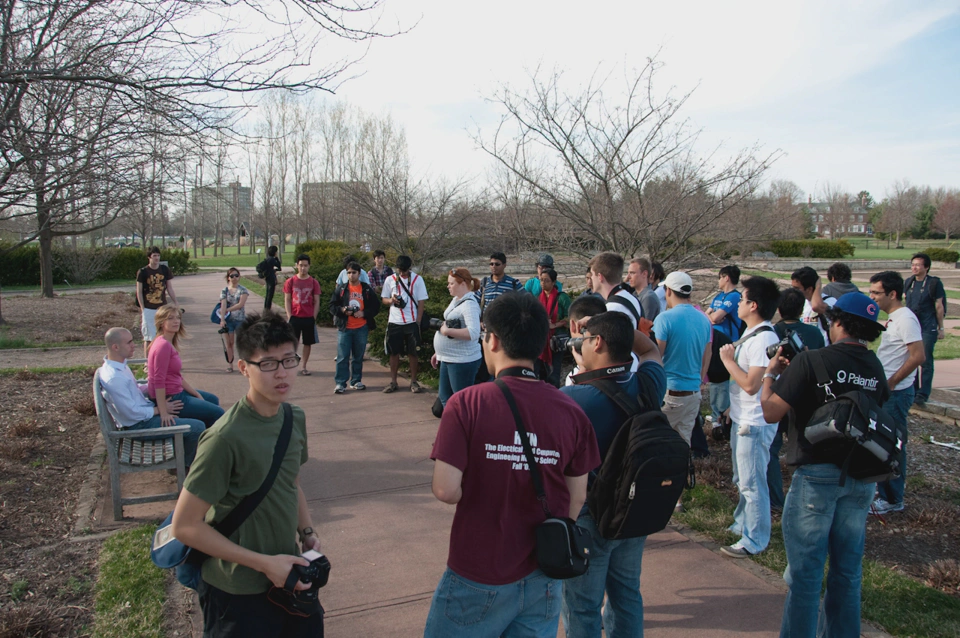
304 373
392 387
230 369
415 387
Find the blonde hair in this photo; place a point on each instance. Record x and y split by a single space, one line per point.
164 313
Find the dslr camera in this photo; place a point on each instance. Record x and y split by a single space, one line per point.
304 602
399 302
436 322
558 343
575 344
223 330
792 345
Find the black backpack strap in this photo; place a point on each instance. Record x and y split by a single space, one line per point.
245 508
525 440
628 404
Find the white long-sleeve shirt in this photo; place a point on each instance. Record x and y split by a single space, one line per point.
124 398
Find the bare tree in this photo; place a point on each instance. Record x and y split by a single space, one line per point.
900 209
618 173
947 219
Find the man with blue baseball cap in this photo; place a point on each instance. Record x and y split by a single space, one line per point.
821 516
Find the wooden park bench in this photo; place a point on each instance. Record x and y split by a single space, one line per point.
127 451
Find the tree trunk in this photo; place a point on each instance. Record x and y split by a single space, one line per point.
46 247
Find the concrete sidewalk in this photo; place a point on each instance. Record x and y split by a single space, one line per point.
368 486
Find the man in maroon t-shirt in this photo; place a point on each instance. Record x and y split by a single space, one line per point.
301 300
492 575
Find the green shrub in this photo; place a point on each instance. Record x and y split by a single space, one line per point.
178 261
942 254
331 253
20 266
126 262
812 248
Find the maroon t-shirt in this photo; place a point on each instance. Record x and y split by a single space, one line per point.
493 534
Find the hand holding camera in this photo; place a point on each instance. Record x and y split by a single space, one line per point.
399 302
298 596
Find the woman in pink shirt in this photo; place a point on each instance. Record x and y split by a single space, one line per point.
164 380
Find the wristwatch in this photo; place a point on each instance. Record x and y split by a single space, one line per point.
770 376
307 531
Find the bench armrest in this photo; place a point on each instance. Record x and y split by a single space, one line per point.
139 434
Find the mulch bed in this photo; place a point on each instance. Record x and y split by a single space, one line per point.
923 541
70 318
47 430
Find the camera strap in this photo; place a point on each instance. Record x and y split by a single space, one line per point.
739 342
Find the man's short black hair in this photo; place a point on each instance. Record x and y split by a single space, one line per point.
617 332
839 272
890 280
354 265
154 250
272 251
520 321
765 293
259 333
499 257
731 271
404 263
925 257
807 277
586 306
379 253
791 303
303 257
854 326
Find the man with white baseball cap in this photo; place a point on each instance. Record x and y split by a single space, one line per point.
683 335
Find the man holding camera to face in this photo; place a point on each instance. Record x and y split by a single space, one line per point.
354 307
824 513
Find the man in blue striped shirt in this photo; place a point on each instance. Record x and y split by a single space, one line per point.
497 283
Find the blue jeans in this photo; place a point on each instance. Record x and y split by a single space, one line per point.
350 343
719 400
189 438
527 608
207 410
455 377
751 519
614 568
897 406
820 518
774 475
924 379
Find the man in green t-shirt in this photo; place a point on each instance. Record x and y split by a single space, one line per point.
233 458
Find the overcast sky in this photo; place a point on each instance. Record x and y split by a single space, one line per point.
858 94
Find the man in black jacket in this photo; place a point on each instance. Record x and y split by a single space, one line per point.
271 267
821 516
354 306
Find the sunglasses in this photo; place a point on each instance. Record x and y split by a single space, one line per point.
234 276
495 264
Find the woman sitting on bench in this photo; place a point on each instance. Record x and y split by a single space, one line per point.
164 380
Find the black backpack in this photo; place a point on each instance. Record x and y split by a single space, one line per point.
262 269
878 440
644 472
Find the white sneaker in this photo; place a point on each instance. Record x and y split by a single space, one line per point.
881 506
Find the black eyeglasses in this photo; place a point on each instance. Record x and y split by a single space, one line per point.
495 264
269 365
233 276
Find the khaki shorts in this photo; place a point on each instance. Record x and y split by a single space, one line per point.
148 324
682 413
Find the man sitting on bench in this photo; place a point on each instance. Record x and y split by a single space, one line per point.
127 403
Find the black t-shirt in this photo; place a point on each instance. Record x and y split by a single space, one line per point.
919 297
154 285
851 367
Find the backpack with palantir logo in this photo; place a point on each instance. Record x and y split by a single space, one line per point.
644 472
878 440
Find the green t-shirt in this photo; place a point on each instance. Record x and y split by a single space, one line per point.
233 458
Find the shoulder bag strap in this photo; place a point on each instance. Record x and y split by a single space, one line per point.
525 440
823 377
244 508
628 404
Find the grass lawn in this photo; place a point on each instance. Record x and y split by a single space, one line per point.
245 259
93 284
131 591
899 604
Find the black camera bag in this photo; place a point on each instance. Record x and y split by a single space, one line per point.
854 419
563 548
